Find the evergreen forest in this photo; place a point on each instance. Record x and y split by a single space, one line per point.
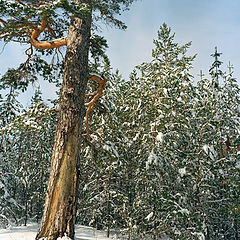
163 155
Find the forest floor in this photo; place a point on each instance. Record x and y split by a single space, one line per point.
29 232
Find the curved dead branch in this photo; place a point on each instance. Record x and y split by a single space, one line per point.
35 32
95 96
45 44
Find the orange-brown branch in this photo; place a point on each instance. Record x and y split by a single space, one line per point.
35 33
45 44
90 105
227 145
29 53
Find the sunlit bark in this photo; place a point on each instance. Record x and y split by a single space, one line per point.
60 205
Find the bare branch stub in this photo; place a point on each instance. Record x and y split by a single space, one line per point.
95 96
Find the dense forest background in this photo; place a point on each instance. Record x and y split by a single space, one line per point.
164 158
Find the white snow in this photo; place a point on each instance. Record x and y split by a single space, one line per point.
29 232
59 238
149 216
110 147
136 137
64 238
205 148
152 158
200 235
179 99
165 91
238 164
210 151
184 211
182 171
159 137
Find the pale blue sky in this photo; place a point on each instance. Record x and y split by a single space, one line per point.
207 23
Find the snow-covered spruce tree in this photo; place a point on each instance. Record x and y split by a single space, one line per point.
101 192
9 108
111 188
28 138
132 149
231 122
159 134
35 132
137 113
171 158
202 137
216 172
112 171
218 182
24 21
230 110
110 161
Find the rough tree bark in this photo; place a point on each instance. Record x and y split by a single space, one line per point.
61 197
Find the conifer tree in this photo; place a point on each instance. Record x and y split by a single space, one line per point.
100 196
215 126
160 112
9 108
25 159
24 21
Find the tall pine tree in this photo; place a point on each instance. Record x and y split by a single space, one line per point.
24 21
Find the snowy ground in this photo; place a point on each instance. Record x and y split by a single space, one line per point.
29 233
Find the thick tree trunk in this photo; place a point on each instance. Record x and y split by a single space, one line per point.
60 204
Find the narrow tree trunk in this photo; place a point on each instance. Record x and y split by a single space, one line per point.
60 204
25 202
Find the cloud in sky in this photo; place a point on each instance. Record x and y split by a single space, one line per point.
207 23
